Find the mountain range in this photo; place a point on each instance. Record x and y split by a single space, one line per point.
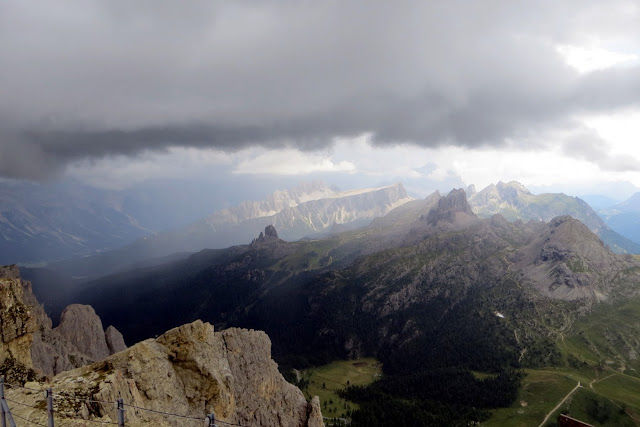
115 229
561 259
428 288
513 201
305 210
308 209
431 289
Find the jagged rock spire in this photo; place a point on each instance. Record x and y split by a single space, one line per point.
455 201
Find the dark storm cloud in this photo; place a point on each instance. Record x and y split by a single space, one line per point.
88 79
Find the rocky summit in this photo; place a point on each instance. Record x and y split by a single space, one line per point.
189 371
453 208
29 339
567 261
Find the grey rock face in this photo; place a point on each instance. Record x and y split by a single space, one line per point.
52 354
16 322
448 207
115 340
77 341
315 414
567 261
10 272
270 232
190 370
80 325
26 330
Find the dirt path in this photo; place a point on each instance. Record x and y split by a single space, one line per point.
602 379
595 380
559 404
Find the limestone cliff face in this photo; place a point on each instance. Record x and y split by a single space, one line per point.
17 325
77 341
115 340
29 339
81 325
190 370
451 208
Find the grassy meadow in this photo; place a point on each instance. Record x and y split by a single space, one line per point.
325 381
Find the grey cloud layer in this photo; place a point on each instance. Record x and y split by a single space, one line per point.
94 78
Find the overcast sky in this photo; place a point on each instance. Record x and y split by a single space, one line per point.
117 92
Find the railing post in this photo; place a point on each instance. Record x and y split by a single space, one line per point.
7 412
210 421
120 413
48 393
3 418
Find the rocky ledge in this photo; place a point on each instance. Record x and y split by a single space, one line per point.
190 370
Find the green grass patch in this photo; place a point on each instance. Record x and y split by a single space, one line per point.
620 388
325 381
588 406
310 255
580 347
541 391
614 399
607 336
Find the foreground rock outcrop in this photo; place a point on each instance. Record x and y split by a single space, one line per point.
190 370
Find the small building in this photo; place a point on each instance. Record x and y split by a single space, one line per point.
567 421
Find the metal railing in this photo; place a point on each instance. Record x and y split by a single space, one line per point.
7 418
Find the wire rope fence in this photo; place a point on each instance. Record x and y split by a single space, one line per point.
48 419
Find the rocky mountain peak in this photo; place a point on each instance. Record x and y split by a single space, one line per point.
449 207
566 260
512 192
513 201
470 190
81 325
115 340
268 235
495 196
512 186
27 336
270 232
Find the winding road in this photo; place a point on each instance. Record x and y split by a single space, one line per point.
559 404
